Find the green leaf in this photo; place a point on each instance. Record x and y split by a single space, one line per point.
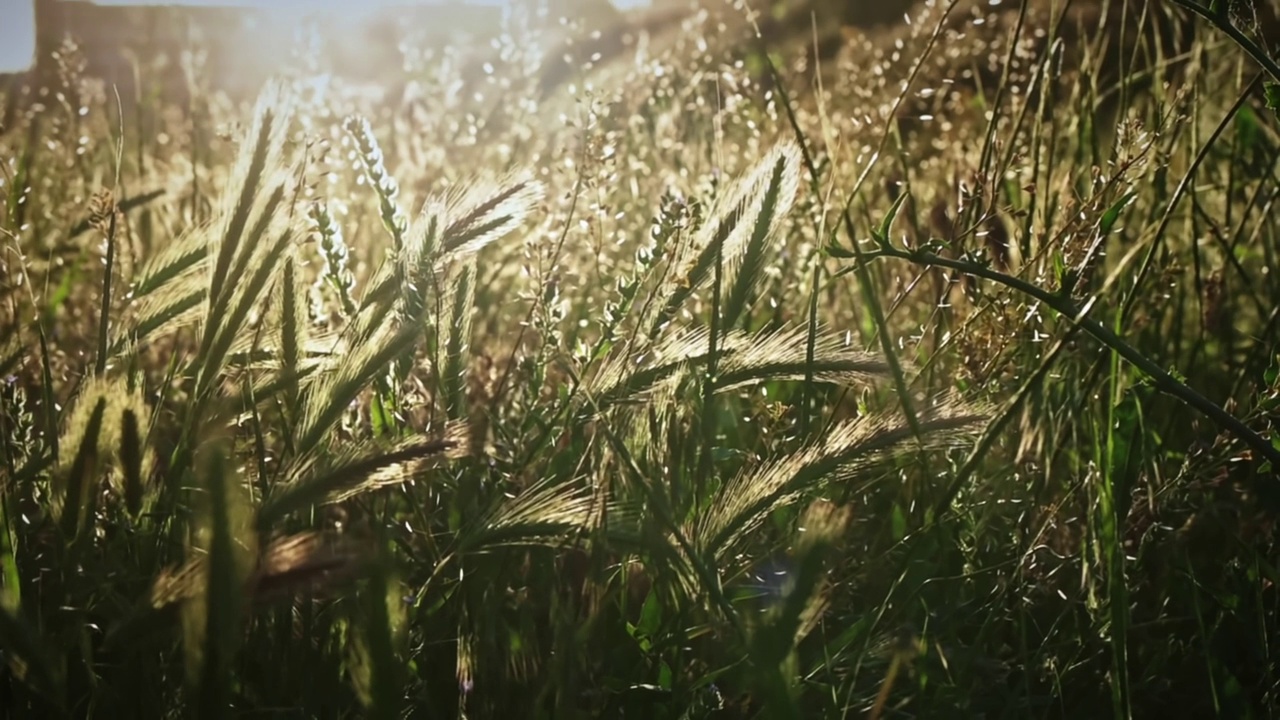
835 251
650 615
899 523
384 665
222 606
882 235
1112 214
1272 92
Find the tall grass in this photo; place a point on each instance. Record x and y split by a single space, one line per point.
923 371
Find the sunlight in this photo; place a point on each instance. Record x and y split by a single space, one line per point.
18 25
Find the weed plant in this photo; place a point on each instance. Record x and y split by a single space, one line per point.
929 372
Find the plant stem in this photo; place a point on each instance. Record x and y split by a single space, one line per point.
1248 45
1163 380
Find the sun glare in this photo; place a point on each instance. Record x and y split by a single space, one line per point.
18 25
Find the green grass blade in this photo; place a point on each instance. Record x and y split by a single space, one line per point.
108 272
224 591
29 659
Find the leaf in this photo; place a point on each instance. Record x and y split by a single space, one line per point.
899 523
835 251
224 599
28 659
384 666
882 234
1272 92
1112 214
650 615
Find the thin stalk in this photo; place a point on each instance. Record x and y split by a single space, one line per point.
1161 379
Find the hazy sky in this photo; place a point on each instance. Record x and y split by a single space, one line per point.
17 20
17 35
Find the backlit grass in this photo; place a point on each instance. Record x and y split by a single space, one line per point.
923 370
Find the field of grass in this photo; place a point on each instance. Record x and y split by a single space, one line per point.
933 374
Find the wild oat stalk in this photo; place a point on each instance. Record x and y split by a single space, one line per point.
328 236
388 190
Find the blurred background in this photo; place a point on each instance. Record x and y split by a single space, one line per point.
239 43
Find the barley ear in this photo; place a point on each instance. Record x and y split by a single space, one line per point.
547 514
77 485
258 157
745 260
739 225
345 377
457 336
841 456
361 472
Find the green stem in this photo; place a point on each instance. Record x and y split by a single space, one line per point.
1163 381
1254 50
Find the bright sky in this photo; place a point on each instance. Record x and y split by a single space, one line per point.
18 27
17 35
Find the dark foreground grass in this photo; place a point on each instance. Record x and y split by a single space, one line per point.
932 374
